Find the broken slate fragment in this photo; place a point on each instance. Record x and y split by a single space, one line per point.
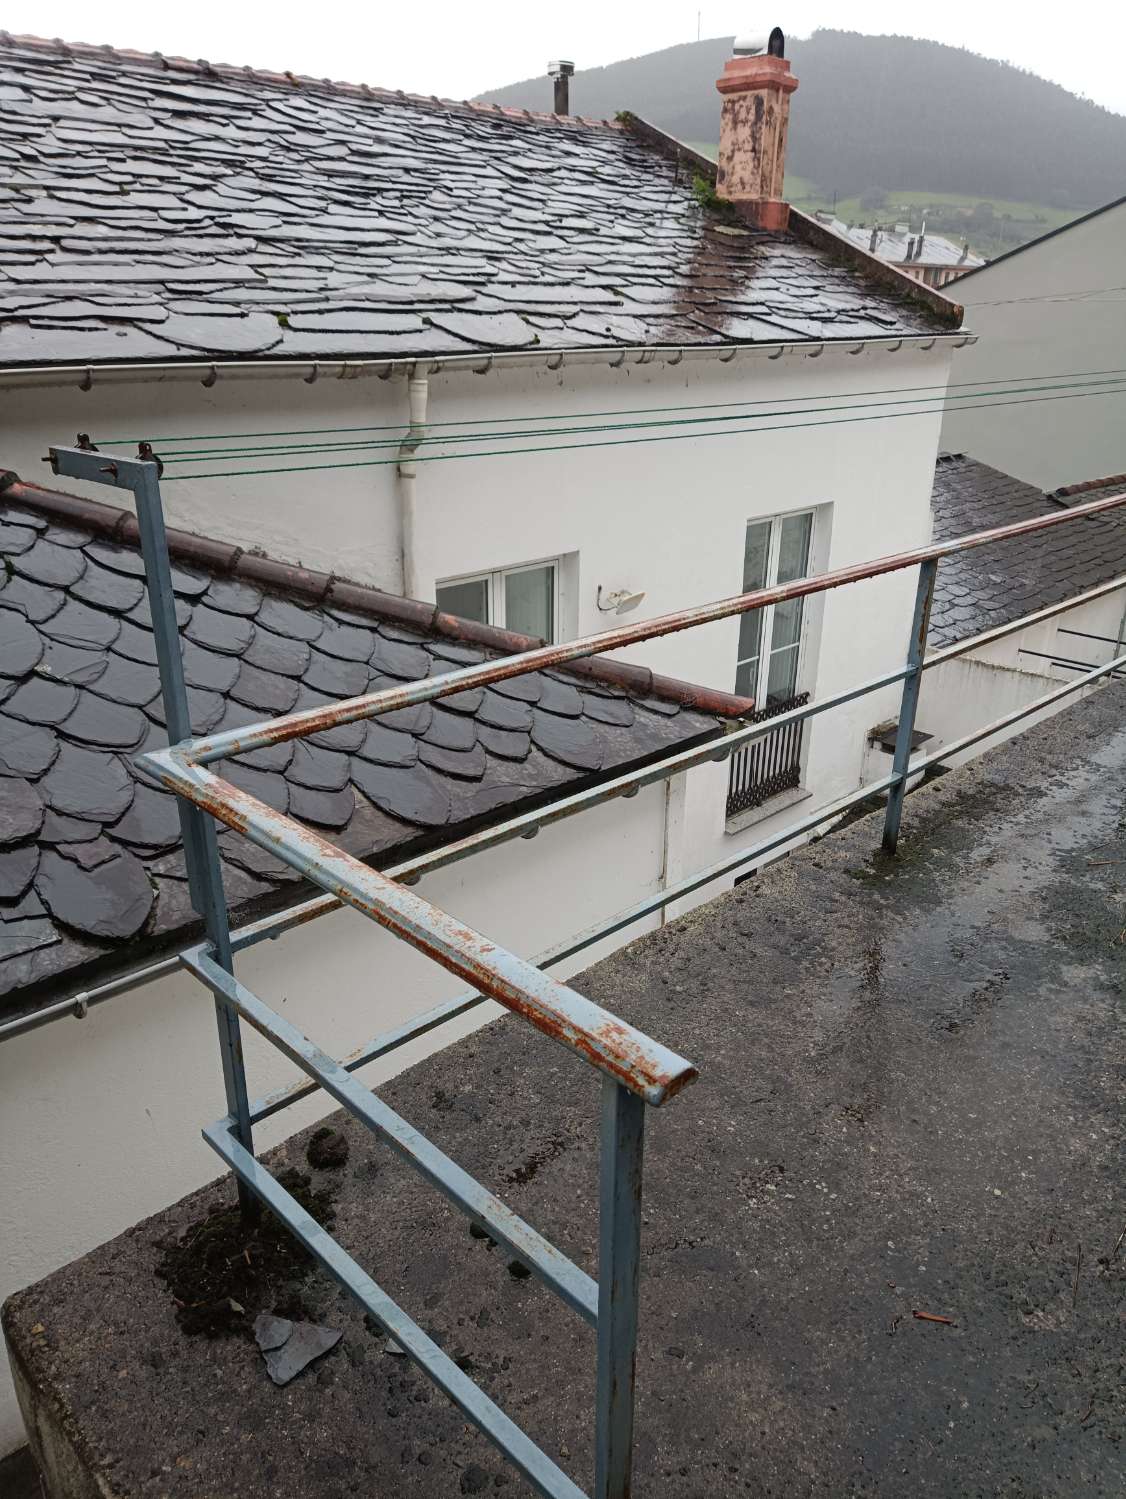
306 1343
271 1332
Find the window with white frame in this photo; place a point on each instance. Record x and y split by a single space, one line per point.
770 641
775 551
524 599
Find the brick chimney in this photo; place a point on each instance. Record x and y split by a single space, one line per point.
756 86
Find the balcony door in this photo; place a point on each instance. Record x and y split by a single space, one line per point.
775 551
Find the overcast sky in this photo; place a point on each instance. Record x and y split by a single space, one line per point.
460 49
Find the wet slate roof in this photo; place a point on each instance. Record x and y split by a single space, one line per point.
91 870
993 585
152 209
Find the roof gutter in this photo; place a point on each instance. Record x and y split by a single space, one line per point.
207 371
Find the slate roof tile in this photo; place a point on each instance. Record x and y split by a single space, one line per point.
21 645
97 870
273 652
320 220
994 585
21 810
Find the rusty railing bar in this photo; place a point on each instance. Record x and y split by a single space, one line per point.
268 928
468 1396
315 720
613 1046
388 1041
525 822
571 1284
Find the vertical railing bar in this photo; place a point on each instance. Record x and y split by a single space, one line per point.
619 1262
909 702
201 848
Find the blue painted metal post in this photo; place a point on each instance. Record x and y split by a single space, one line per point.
619 1257
916 650
201 850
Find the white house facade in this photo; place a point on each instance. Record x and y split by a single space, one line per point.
1052 323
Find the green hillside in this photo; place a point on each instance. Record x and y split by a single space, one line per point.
873 111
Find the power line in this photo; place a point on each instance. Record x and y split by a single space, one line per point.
1058 296
590 415
620 441
473 437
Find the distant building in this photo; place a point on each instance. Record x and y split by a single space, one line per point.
1052 312
924 257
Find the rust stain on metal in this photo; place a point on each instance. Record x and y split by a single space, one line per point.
608 1043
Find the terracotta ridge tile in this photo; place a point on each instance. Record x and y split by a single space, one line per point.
1086 486
327 589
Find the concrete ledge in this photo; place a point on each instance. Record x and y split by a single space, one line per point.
909 1101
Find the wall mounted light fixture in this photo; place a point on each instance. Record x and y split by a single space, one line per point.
621 601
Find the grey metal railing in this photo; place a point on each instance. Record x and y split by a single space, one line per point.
636 1070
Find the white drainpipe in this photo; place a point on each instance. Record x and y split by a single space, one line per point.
418 396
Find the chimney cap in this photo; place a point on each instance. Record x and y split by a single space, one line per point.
561 69
761 43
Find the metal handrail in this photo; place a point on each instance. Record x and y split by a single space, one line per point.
370 705
636 1069
524 824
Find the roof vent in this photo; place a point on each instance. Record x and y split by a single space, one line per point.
562 71
761 44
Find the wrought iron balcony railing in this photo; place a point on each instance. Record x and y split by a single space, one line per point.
771 764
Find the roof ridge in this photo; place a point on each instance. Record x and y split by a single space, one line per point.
329 590
201 68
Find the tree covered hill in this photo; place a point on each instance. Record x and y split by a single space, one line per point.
881 111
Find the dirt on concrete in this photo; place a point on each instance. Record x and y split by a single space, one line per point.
226 1268
910 1101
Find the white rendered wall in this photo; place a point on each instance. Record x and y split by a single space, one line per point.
1055 309
101 1118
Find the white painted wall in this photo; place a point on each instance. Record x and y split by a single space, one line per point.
1055 309
100 1118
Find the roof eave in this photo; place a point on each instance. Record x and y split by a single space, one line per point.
344 367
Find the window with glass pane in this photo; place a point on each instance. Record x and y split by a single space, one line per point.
517 598
756 557
468 600
529 601
775 551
